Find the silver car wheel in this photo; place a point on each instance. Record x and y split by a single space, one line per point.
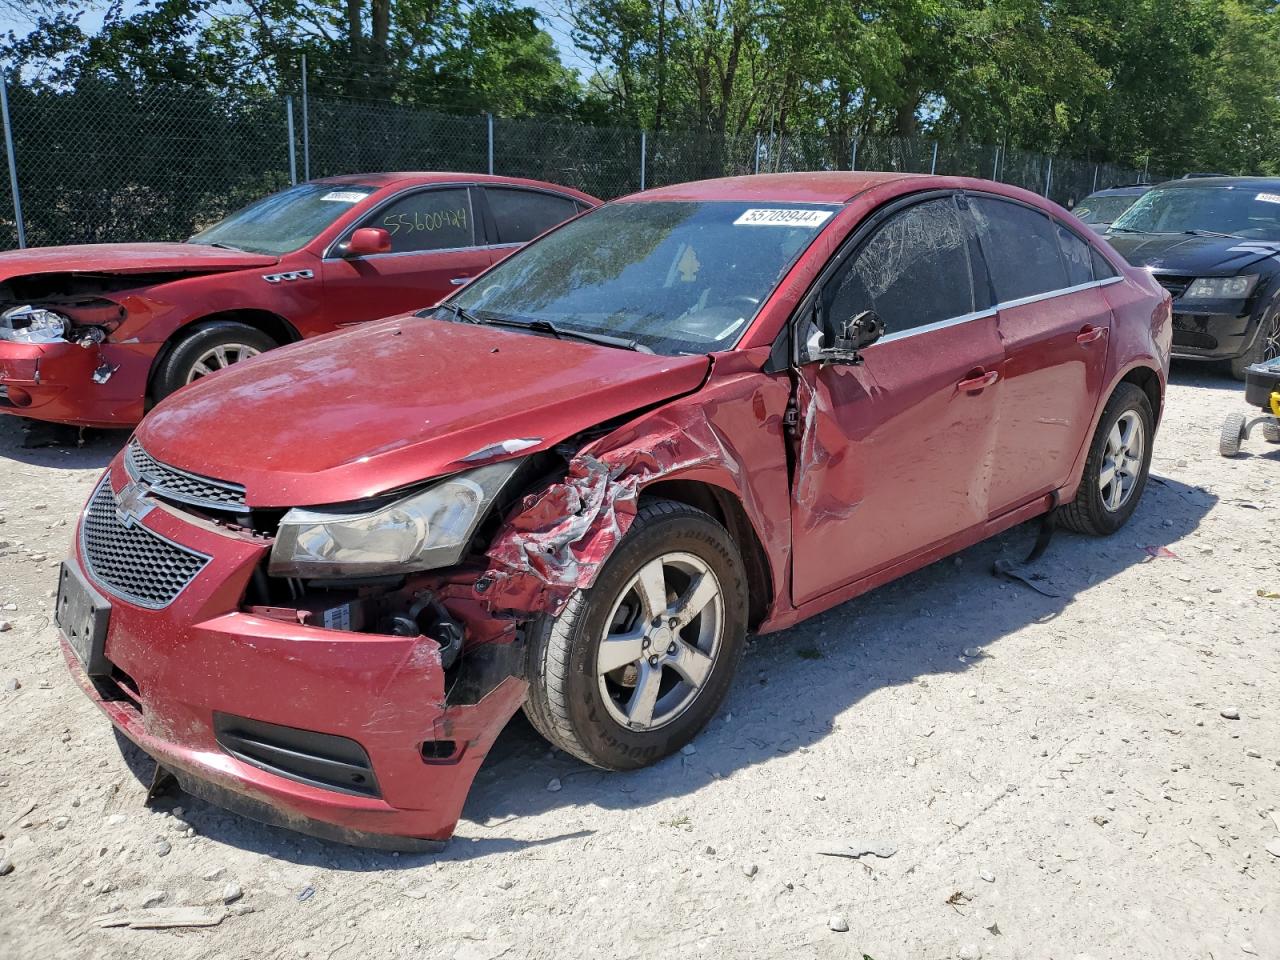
219 358
661 641
1122 460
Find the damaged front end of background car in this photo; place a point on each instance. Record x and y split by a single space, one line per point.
60 337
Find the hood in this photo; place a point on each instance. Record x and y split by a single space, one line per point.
128 258
1190 255
386 404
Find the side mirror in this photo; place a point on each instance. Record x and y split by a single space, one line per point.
366 241
857 333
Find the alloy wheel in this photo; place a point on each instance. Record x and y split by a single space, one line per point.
1271 339
1122 460
661 641
219 358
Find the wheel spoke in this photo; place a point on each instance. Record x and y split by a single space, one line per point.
651 584
619 649
701 592
1115 440
1107 476
640 706
691 663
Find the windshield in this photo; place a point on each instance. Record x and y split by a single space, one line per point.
1242 210
286 220
1104 209
675 277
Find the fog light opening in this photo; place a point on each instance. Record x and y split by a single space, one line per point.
440 751
18 397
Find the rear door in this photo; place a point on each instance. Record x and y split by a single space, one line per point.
893 454
436 246
1054 323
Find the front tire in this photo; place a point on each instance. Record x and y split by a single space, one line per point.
634 667
1266 345
1115 474
1231 434
207 349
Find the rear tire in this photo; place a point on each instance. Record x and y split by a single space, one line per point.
587 695
1115 473
1271 431
208 348
1231 434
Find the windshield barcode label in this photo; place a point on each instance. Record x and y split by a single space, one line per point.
783 218
344 196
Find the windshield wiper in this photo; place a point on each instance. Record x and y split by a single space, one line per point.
460 314
1111 229
1210 233
562 333
219 244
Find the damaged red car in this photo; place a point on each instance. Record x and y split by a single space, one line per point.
92 335
317 588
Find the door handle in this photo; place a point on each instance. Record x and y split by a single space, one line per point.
459 281
1090 334
981 382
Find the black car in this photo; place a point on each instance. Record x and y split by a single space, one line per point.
1214 244
1100 208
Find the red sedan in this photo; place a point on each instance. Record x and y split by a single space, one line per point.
316 588
93 334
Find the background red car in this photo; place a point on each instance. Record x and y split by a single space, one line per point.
92 334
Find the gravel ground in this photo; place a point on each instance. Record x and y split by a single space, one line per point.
1054 777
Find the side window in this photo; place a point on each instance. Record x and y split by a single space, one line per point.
914 270
427 220
523 214
1076 255
1102 270
1020 247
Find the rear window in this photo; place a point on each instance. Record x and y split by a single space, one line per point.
1076 256
1020 246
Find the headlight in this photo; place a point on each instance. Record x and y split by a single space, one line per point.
423 531
1221 288
27 324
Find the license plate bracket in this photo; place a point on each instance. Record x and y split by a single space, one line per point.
82 615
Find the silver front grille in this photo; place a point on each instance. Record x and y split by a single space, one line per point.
170 483
129 560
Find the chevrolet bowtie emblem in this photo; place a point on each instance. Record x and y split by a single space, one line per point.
133 503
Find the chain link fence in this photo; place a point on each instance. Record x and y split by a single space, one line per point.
99 165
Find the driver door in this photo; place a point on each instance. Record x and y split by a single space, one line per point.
894 453
436 246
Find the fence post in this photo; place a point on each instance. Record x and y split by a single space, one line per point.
933 166
1048 177
490 117
13 163
293 153
644 153
853 155
306 125
995 164
757 158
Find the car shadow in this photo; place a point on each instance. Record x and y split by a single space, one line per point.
1210 375
959 599
58 446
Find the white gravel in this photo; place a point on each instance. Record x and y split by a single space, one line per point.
1072 753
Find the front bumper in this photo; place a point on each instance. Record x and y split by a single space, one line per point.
54 382
174 668
1211 336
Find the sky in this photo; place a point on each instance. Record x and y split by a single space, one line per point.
554 22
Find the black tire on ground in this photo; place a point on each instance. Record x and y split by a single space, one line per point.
1088 513
1266 345
565 702
176 368
1231 434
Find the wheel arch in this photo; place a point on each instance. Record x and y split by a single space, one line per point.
272 324
727 509
1147 380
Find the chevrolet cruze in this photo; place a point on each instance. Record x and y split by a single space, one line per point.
316 585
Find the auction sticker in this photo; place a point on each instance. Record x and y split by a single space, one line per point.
783 218
344 196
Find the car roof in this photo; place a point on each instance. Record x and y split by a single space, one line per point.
1270 183
1133 190
411 178
817 186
